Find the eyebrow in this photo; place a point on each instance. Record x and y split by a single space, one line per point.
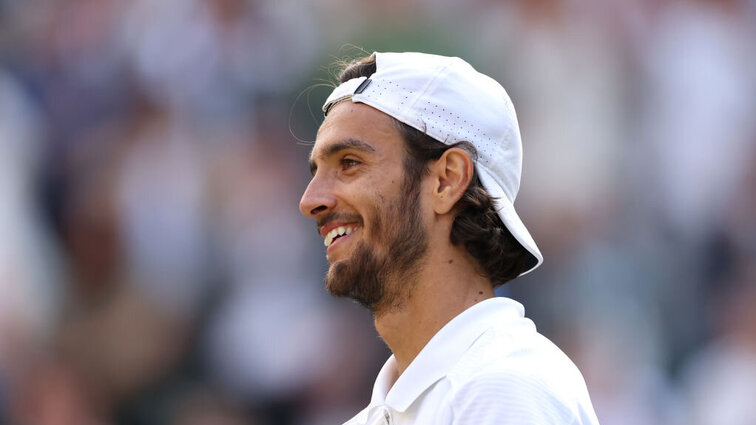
337 147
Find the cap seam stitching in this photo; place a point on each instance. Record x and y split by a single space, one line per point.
431 83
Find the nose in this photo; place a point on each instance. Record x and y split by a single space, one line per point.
317 198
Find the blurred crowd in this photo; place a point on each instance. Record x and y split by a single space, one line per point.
154 268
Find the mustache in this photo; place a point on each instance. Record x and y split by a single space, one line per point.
335 216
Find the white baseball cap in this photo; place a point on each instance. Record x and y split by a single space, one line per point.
452 102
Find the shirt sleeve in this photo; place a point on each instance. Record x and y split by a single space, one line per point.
509 398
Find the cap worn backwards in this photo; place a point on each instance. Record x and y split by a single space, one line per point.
449 100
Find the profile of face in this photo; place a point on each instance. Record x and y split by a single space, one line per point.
367 210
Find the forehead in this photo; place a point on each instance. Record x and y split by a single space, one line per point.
356 121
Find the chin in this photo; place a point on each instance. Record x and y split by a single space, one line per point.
336 282
362 276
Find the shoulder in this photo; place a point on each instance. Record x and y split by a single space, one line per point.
509 397
518 377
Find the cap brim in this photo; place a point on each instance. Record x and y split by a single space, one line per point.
509 217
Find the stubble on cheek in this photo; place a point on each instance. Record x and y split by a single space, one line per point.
399 243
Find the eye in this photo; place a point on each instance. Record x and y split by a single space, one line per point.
347 163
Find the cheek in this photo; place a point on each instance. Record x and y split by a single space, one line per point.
374 223
379 214
378 203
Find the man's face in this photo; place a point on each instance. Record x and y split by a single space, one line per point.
367 212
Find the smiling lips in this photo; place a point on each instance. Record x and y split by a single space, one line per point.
336 233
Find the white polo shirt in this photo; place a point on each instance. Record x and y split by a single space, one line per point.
486 366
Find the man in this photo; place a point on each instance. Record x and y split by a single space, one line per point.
415 169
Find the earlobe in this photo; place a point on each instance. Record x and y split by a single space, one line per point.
452 174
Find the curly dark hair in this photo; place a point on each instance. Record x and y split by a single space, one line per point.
477 226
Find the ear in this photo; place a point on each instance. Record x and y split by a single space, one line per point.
451 174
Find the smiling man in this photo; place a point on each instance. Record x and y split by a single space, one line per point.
415 170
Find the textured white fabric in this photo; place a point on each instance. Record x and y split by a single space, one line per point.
486 366
449 100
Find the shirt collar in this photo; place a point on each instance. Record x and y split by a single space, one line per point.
440 354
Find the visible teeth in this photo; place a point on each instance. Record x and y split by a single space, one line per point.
339 231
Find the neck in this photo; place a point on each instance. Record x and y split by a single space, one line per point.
447 285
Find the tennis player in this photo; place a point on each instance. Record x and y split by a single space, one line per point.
415 171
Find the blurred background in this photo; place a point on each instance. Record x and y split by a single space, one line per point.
155 269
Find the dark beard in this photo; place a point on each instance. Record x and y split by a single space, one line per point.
367 276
